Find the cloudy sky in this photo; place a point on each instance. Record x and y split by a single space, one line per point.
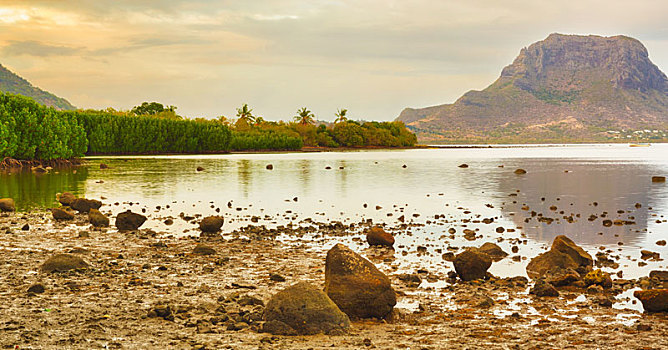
374 57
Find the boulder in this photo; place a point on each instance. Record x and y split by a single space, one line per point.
7 205
661 275
356 285
560 277
378 236
36 288
62 214
463 166
472 264
211 224
658 179
303 309
653 300
599 278
129 221
564 254
98 219
63 263
494 251
544 289
203 249
84 205
66 198
520 171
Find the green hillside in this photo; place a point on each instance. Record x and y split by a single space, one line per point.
14 84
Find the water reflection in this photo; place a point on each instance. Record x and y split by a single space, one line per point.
32 191
574 197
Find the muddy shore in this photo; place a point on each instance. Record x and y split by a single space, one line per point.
214 300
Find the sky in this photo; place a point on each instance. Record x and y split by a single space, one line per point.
373 57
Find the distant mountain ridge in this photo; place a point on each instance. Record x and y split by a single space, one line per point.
12 83
566 86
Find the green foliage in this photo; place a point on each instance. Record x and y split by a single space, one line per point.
304 116
556 97
257 140
14 84
155 108
32 131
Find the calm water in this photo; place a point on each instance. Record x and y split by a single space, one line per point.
571 178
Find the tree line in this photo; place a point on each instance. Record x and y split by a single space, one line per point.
29 131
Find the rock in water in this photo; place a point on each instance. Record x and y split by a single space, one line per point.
653 300
544 289
494 251
378 236
564 254
61 214
104 166
84 205
129 221
98 219
7 205
599 278
63 263
66 198
356 285
520 171
472 264
303 309
203 249
658 179
211 224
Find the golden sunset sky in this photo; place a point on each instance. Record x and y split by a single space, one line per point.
370 56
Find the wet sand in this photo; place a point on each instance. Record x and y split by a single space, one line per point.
213 299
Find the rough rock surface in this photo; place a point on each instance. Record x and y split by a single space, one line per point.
303 309
544 289
98 219
378 236
494 251
211 224
62 214
356 285
63 263
203 249
472 264
653 300
129 221
564 254
7 205
66 198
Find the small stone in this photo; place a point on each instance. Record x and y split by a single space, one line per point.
211 224
203 249
472 264
25 227
104 166
378 236
63 263
520 171
543 289
658 179
36 288
270 167
61 214
276 277
199 168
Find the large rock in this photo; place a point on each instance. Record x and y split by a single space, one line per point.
653 300
564 254
63 263
356 285
7 205
84 205
211 224
472 264
62 214
66 198
378 236
494 251
303 309
98 219
129 221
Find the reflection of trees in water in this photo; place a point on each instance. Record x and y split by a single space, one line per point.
31 191
304 169
245 175
342 177
614 186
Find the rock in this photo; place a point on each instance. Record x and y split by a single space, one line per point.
104 166
411 279
7 205
560 277
599 278
276 277
39 169
36 288
129 221
472 264
199 168
658 179
66 198
520 171
661 242
661 275
25 227
84 205
270 167
464 166
203 249
564 254
494 251
378 236
653 300
544 289
303 309
647 254
211 224
63 263
356 285
98 219
62 214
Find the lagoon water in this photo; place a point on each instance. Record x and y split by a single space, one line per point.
579 180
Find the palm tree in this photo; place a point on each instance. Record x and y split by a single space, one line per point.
244 113
304 116
341 116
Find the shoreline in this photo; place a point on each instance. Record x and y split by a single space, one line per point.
132 273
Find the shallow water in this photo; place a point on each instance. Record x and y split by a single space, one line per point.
577 179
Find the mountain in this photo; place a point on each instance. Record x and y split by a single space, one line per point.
12 83
564 88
